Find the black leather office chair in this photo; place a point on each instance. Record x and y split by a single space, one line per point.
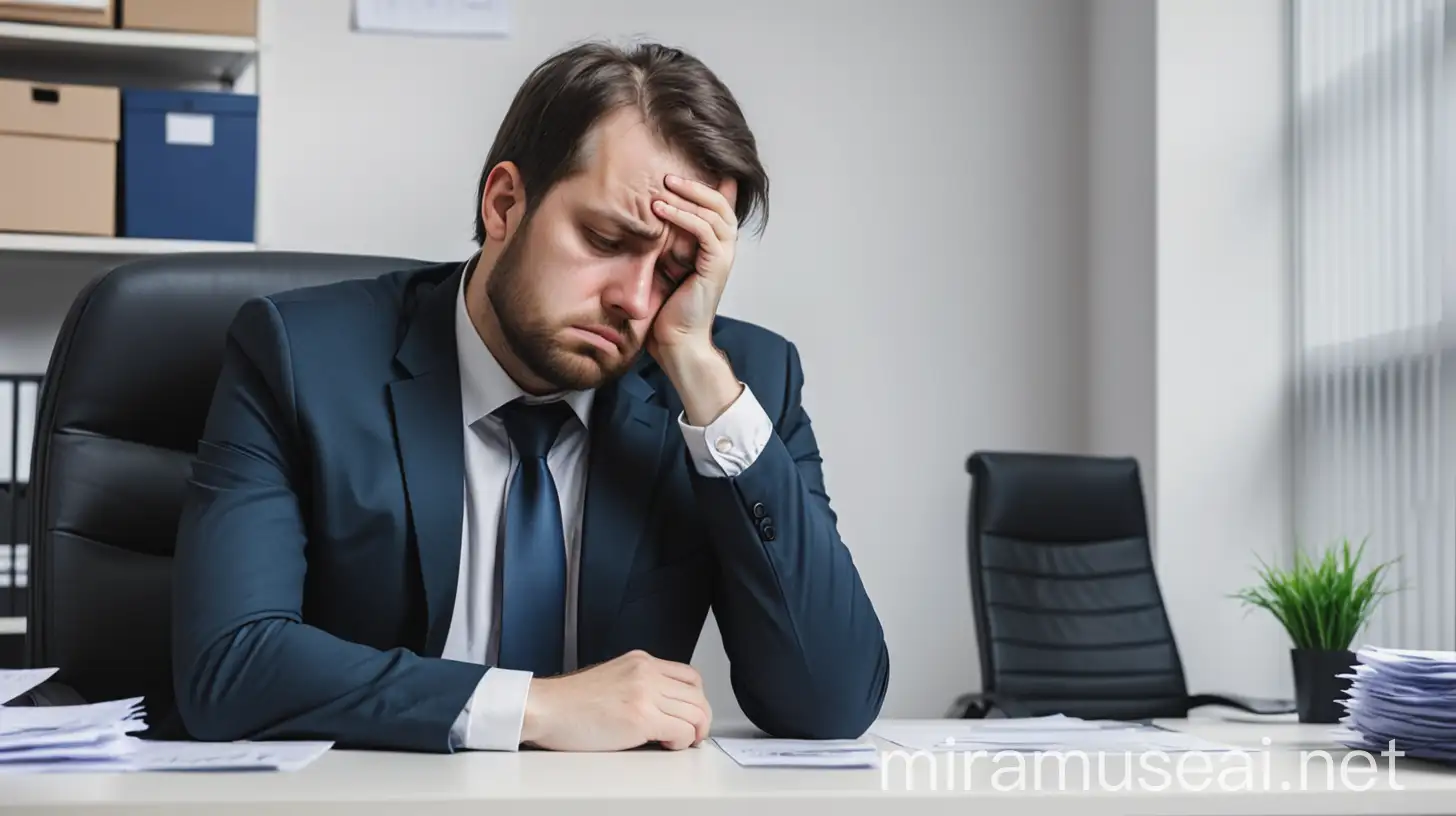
125 398
1069 614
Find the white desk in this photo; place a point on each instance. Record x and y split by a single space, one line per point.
705 782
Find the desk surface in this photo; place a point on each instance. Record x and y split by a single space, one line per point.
1287 777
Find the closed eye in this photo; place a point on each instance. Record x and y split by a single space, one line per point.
602 243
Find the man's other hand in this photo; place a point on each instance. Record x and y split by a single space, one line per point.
629 701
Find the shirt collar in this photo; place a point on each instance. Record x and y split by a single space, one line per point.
484 385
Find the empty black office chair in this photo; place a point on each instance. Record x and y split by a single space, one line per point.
126 395
1068 611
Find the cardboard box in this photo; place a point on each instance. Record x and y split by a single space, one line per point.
30 11
58 149
233 17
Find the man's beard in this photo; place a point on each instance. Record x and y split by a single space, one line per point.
576 367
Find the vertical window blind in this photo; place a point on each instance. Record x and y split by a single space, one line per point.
1370 215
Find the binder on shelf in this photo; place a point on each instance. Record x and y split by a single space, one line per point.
19 399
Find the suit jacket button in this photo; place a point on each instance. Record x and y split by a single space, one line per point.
759 511
767 531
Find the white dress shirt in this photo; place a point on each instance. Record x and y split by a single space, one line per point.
492 718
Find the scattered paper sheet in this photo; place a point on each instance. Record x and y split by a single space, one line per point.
437 17
15 682
151 755
752 752
1040 734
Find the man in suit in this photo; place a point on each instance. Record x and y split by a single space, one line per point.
489 504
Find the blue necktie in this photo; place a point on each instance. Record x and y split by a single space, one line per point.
533 585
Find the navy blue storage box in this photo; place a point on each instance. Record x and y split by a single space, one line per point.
189 164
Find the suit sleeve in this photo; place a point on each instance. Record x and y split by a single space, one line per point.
806 647
245 665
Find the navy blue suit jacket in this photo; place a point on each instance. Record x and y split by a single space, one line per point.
317 555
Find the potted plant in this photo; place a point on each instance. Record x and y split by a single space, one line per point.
1322 605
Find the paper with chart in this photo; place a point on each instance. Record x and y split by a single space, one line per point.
1051 733
102 737
434 17
153 755
764 752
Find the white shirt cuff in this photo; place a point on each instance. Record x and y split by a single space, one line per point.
492 718
731 443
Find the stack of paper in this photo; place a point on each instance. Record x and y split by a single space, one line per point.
98 737
1405 698
1030 734
794 753
57 736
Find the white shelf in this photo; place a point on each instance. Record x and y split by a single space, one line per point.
12 626
95 245
186 56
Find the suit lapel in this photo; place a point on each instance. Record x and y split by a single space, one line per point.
628 433
428 430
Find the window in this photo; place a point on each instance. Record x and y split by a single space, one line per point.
1370 216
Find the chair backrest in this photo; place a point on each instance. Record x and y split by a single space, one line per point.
1069 615
125 398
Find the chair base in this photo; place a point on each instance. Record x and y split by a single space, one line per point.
979 705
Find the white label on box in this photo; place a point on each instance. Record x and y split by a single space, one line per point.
189 129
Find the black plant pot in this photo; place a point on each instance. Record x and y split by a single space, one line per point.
1317 684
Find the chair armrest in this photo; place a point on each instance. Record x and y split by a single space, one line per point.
971 706
49 693
978 705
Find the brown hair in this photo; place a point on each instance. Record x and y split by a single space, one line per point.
694 112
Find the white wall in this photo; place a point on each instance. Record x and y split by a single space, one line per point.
36 291
925 248
1223 342
1189 355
